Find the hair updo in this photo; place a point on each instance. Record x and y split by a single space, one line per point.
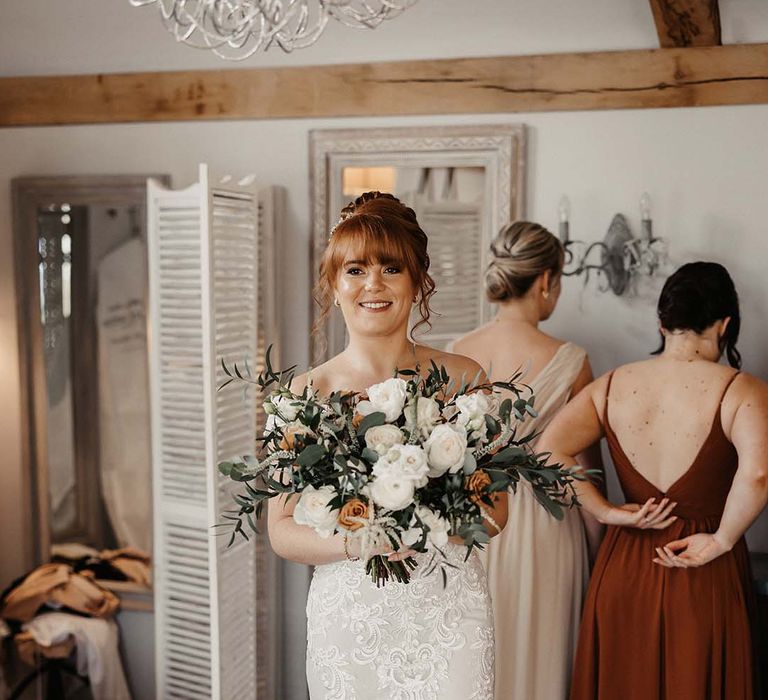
385 231
521 252
694 297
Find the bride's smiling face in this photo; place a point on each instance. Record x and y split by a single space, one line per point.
375 296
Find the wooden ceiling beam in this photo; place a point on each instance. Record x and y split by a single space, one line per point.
682 23
688 77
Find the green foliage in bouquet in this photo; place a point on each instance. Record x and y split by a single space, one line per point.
409 463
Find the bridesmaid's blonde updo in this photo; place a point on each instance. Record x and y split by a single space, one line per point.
520 253
383 230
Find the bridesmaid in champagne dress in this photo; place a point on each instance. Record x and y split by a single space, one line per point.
537 567
668 609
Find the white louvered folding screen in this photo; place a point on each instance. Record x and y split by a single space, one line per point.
203 292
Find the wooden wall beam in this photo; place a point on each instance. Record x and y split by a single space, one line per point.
615 80
687 22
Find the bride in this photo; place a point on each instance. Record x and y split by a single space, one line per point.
414 641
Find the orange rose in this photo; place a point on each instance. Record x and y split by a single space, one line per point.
353 509
357 419
290 434
476 483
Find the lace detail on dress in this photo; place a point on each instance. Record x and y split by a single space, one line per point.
415 641
484 642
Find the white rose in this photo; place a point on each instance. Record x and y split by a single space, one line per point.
285 411
438 529
446 447
392 491
473 409
313 510
381 437
387 397
427 414
408 461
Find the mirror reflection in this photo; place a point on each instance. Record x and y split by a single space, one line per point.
92 282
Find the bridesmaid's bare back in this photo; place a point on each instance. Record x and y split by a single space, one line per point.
507 348
662 411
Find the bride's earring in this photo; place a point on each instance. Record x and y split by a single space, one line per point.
336 302
545 293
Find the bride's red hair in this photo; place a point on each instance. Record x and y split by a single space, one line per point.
380 228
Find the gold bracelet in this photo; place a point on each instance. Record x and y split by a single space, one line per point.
346 549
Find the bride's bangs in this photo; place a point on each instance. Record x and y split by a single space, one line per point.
367 239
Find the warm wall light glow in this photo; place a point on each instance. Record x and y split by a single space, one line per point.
355 181
66 275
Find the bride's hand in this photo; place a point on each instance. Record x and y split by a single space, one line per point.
384 551
401 554
649 516
695 550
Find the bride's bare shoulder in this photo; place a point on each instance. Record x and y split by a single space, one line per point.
456 365
299 383
319 377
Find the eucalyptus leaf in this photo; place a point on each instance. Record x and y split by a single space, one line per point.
311 455
371 421
369 455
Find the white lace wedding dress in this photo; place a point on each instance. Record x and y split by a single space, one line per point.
414 641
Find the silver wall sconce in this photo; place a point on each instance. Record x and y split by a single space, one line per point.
620 255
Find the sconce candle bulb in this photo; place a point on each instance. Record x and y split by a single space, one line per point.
645 216
564 213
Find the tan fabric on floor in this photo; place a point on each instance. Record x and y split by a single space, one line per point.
58 585
538 569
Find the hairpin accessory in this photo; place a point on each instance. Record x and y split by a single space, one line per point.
335 226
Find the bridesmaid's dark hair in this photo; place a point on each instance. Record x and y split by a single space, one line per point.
697 295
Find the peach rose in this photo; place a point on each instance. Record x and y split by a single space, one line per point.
476 483
291 433
353 509
357 419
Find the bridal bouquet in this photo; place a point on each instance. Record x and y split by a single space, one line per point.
408 463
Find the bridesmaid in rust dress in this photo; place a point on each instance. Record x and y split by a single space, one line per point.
668 609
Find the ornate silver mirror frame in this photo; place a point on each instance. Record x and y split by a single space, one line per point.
498 149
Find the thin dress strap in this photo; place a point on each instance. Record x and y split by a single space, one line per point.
728 385
607 392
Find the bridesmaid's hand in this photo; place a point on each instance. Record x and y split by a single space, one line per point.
695 550
649 516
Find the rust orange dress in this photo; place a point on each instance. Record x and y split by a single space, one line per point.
653 633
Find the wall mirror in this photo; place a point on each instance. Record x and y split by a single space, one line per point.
464 183
81 278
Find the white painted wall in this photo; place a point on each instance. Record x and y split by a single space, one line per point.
705 169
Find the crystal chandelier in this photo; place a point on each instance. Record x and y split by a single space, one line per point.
237 29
